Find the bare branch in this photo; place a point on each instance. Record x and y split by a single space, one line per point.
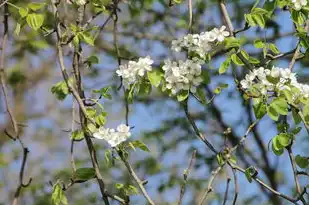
185 176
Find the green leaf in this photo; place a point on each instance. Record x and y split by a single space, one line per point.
231 42
87 38
60 90
253 60
259 108
236 60
23 12
284 139
273 48
225 65
258 43
144 88
302 162
296 117
272 113
297 17
91 128
104 92
101 119
17 29
276 147
35 6
35 21
248 175
182 95
108 156
220 159
58 196
139 144
206 77
84 174
155 77
92 60
200 94
296 130
91 112
77 135
280 105
259 19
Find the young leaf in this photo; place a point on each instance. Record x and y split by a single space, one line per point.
236 59
23 12
139 144
274 48
104 92
225 65
35 21
58 196
182 95
302 162
35 6
284 139
258 43
259 108
155 77
84 174
77 135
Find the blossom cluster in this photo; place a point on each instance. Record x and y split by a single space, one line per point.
114 137
263 81
182 75
298 4
134 70
202 43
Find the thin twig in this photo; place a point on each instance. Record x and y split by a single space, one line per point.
196 130
136 178
209 187
236 188
185 177
190 15
83 112
72 140
263 184
226 193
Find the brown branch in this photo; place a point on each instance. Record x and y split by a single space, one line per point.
9 109
209 187
83 112
228 180
264 185
185 177
196 130
136 178
236 188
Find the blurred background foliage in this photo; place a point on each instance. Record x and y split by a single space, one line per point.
146 27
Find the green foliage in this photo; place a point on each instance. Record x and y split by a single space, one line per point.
250 172
277 107
139 144
259 107
77 135
302 162
257 17
104 92
127 190
60 90
182 95
155 77
58 196
84 174
225 65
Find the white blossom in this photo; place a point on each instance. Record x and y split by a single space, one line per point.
182 75
113 137
202 43
80 2
264 81
134 70
298 4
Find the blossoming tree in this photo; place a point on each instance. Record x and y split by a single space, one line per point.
231 107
